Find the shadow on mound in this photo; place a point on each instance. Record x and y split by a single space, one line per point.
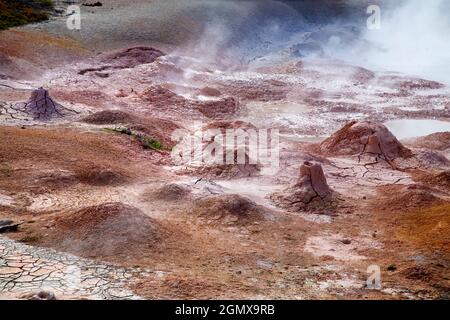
109 229
122 59
168 192
102 177
228 209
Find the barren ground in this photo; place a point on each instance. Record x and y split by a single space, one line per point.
130 223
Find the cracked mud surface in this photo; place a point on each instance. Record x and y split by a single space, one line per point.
219 232
25 269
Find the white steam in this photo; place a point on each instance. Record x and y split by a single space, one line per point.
414 39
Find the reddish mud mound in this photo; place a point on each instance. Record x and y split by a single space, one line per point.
132 57
242 166
168 192
158 129
102 177
225 171
359 138
162 98
417 84
439 180
128 58
217 109
223 125
105 230
228 209
431 159
436 141
311 192
401 198
42 107
264 90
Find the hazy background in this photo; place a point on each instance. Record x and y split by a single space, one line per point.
414 37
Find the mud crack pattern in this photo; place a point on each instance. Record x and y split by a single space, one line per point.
25 269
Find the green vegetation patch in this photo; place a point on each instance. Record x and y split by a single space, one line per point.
145 141
15 13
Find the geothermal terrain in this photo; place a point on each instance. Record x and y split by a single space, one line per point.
95 204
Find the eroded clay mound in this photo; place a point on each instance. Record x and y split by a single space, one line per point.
224 171
217 109
436 141
228 209
403 198
102 177
164 99
431 159
105 230
132 57
359 138
242 165
156 128
42 107
440 180
311 192
168 192
127 58
223 125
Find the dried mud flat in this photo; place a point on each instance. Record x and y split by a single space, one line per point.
105 213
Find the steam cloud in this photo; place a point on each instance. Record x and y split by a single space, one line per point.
414 39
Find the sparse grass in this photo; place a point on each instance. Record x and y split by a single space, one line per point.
15 13
146 141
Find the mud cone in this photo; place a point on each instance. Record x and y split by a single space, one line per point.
365 137
42 107
311 193
373 145
312 176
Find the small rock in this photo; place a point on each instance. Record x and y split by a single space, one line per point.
42 295
346 241
392 267
8 226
